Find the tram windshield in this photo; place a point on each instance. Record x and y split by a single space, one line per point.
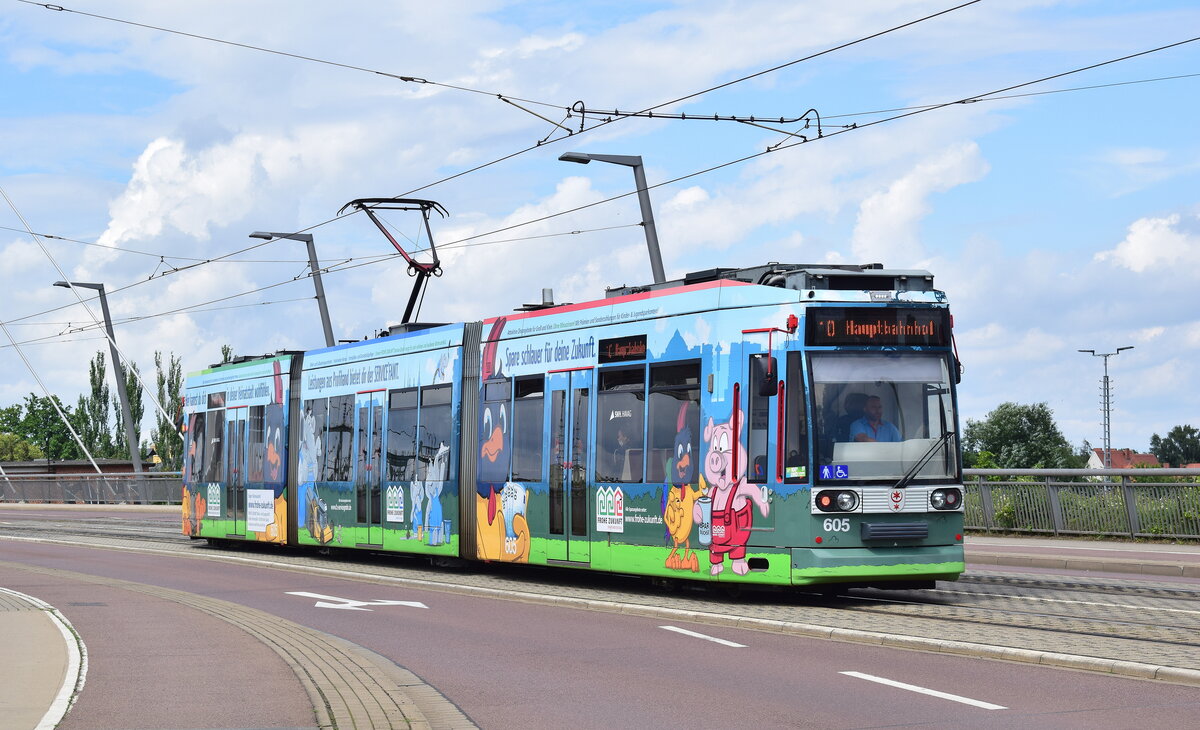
878 415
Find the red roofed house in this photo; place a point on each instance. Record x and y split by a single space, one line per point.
1122 459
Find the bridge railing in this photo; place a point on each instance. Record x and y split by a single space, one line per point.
144 488
1110 502
1102 502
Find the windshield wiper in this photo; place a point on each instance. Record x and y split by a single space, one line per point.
912 472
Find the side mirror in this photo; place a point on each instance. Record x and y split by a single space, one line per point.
765 372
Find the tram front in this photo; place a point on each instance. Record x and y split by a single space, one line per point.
886 498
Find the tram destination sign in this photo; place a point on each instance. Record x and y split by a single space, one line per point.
622 349
877 326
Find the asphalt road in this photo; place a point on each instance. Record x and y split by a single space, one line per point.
510 664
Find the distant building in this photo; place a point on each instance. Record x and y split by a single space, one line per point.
1122 459
73 466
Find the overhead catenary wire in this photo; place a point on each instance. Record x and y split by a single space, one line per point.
726 164
74 290
473 240
505 157
53 400
296 56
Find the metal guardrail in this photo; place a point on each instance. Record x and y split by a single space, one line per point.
1111 502
145 488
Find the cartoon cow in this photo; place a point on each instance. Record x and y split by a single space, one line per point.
731 497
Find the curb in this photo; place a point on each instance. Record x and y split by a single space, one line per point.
1104 565
1117 667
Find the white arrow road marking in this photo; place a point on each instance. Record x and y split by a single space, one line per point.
350 603
925 691
685 632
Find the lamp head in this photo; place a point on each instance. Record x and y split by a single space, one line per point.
1130 347
581 157
263 235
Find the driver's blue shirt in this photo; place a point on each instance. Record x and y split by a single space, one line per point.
883 432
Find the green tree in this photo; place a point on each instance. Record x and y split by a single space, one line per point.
170 395
226 354
15 448
1180 446
41 425
91 418
10 419
1019 437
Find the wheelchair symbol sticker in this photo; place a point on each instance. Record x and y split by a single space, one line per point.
835 471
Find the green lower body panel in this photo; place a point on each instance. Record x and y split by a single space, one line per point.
831 565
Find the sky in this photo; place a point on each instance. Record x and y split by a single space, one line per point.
1054 222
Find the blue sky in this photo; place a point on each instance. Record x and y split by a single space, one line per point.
1054 222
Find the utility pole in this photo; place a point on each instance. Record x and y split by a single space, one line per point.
639 180
135 455
307 239
1106 401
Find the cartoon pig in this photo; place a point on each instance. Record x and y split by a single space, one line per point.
731 497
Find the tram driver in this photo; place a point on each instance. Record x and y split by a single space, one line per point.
872 426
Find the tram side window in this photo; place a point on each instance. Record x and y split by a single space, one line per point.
434 448
494 435
528 422
758 415
214 458
796 438
402 435
673 429
339 439
257 444
312 463
273 470
197 446
620 413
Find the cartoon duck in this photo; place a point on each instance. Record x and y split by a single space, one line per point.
680 499
502 531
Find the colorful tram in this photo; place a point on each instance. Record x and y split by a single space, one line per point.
782 424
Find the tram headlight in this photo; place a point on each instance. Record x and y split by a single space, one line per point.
837 501
945 499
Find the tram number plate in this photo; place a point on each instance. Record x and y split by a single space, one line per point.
837 524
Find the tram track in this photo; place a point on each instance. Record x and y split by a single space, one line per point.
1129 620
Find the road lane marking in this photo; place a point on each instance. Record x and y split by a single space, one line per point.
350 603
685 632
925 691
1076 603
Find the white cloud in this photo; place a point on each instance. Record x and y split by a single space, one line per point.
888 221
1154 243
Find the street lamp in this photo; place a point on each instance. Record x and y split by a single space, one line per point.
316 273
1106 401
118 370
639 179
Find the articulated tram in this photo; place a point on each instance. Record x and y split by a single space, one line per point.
780 424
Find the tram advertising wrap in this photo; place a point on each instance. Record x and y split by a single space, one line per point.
763 425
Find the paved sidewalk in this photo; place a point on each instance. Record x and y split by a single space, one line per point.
35 665
1140 558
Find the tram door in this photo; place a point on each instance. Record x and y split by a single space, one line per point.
235 486
761 400
368 477
570 439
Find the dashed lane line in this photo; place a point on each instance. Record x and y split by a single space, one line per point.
706 637
925 691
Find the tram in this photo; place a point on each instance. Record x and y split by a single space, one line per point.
778 424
